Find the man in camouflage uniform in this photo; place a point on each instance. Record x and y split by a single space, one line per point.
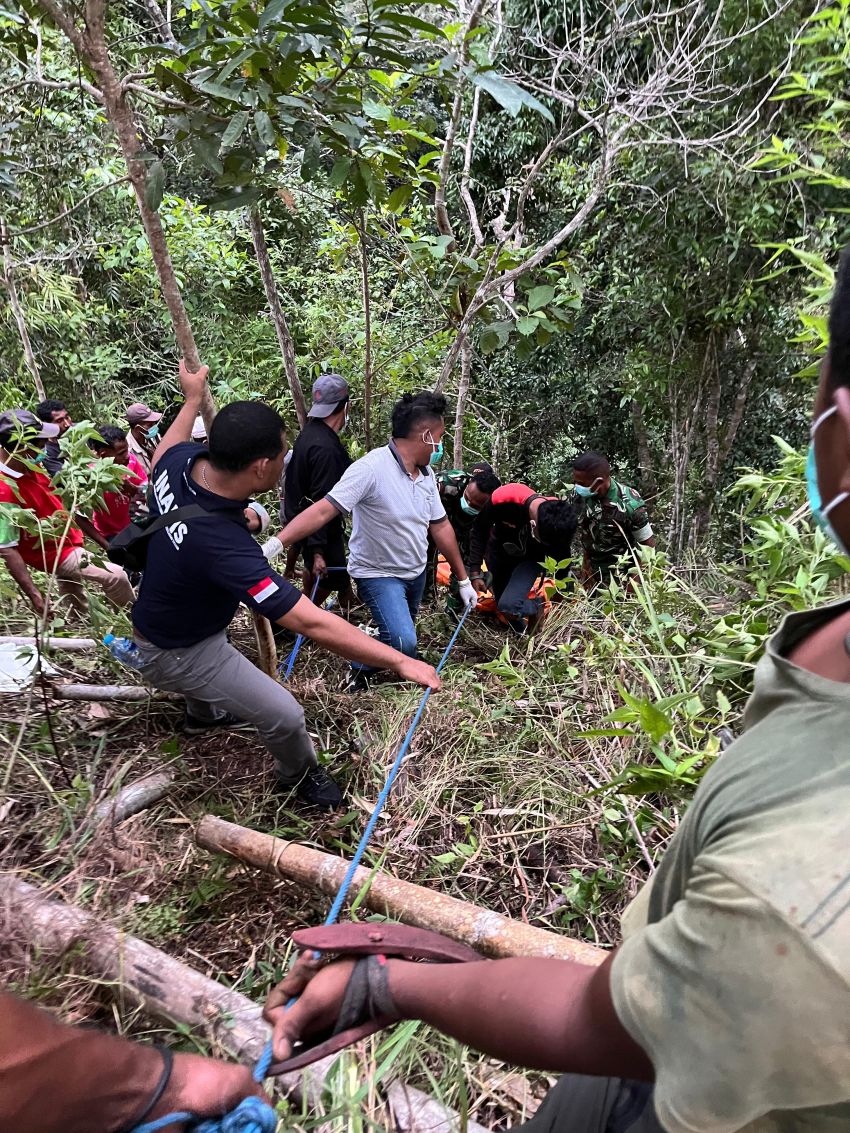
613 519
466 497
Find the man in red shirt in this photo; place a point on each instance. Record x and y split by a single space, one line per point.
52 544
517 530
119 507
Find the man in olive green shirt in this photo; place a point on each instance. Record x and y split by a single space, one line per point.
613 517
727 1007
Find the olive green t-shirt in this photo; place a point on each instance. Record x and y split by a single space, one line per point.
734 975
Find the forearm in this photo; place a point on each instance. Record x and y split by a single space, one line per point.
17 568
180 429
446 543
90 531
551 1015
60 1079
310 520
339 636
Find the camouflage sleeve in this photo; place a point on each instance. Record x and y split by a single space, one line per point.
638 514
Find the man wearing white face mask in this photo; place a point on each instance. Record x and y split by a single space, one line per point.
466 497
393 498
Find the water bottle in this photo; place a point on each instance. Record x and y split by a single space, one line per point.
124 650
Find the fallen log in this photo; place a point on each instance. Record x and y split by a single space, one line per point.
491 933
124 693
70 644
134 797
172 992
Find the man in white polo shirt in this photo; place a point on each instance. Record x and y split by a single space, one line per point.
393 497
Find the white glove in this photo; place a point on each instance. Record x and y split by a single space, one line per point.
261 513
468 593
272 548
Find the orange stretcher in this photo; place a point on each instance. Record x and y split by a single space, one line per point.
487 602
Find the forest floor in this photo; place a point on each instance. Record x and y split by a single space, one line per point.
497 803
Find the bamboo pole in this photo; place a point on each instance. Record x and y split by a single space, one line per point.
125 693
70 644
172 992
491 933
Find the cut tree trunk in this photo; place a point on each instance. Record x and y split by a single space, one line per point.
281 327
172 992
134 797
17 311
70 644
124 693
491 933
266 648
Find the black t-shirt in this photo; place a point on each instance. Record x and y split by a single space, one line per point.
318 462
199 570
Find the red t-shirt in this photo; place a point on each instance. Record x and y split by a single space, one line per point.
115 514
31 490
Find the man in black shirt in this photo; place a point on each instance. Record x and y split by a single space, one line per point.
318 462
517 530
199 570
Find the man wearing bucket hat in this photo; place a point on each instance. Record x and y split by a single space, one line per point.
58 550
318 461
144 433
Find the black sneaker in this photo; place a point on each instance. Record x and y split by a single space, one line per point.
319 790
358 680
192 726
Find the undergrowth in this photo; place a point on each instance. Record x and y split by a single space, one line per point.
544 782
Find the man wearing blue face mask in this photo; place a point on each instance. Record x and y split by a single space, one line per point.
143 436
392 496
613 517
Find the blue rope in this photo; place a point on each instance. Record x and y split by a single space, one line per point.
289 663
253 1115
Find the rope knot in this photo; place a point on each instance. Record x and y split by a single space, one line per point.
252 1115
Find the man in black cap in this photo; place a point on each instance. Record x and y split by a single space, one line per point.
318 462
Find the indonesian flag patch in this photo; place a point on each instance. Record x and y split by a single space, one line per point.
264 589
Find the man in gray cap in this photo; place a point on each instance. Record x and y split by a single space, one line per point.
57 548
317 463
144 433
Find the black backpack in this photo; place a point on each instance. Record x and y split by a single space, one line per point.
129 548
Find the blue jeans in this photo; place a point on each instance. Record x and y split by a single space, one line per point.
394 603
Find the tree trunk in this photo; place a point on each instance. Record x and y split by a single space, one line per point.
367 323
648 483
491 933
462 395
172 992
284 336
91 45
134 797
17 311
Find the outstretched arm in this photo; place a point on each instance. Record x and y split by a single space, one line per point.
310 520
552 1015
344 639
60 1079
20 573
